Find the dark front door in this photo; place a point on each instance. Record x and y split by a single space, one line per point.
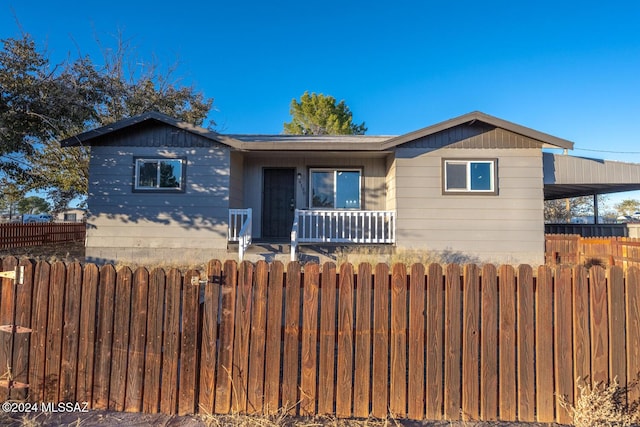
278 202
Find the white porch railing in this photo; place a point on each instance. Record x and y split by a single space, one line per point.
240 229
342 226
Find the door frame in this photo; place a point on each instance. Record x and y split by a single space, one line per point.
282 217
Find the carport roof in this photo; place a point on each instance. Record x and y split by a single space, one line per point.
569 176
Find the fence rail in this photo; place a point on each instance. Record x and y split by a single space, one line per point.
434 342
19 235
574 249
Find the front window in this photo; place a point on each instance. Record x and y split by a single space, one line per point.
475 176
159 174
334 189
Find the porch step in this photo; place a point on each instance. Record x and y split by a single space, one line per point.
258 251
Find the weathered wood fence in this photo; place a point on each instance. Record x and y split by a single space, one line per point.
435 342
19 235
574 249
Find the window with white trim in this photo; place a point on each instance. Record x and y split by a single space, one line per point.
469 176
154 174
334 188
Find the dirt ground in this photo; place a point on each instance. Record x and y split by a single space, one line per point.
109 418
68 252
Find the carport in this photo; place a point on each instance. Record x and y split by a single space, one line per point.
570 176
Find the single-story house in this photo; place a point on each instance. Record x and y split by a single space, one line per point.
162 189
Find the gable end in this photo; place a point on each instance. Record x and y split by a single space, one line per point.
154 134
476 135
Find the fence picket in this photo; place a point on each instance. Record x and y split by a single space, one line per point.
273 338
581 338
171 343
525 344
471 343
344 376
188 376
21 342
291 330
452 342
380 377
209 338
507 343
70 332
225 345
434 386
54 333
153 356
362 359
632 307
240 370
38 347
120 345
309 338
398 361
617 330
563 342
255 392
417 316
87 333
137 338
7 307
489 344
326 366
599 326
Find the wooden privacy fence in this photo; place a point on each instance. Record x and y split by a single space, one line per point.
435 342
19 235
574 249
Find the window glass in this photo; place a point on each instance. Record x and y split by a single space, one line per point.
322 189
335 189
348 190
170 173
158 174
481 176
148 174
456 176
469 175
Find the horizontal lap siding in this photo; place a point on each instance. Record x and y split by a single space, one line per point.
498 228
121 220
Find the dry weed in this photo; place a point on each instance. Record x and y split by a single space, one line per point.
603 406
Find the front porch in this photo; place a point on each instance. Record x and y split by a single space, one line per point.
319 229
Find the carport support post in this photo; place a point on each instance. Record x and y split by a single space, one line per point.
595 209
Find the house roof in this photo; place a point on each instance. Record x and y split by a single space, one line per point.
569 176
315 142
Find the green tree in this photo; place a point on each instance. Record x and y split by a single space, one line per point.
33 205
317 114
628 206
41 104
10 194
562 210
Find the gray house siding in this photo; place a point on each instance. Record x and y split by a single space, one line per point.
123 224
373 189
507 227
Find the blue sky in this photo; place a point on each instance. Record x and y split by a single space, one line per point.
568 68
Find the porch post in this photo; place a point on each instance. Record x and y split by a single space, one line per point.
595 209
